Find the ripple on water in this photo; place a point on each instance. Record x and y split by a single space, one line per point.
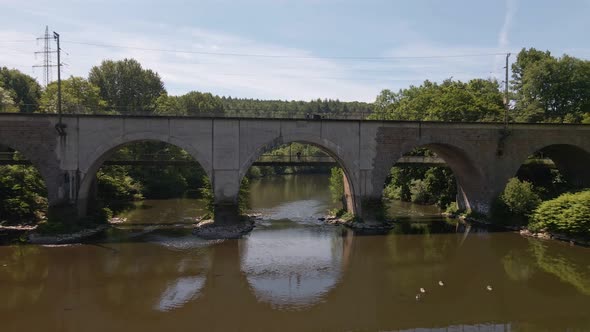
181 243
304 211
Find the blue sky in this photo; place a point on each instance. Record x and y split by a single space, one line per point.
309 36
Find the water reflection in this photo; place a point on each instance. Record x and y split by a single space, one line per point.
179 292
299 276
291 265
294 197
165 211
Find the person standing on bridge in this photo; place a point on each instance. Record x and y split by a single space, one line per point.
298 154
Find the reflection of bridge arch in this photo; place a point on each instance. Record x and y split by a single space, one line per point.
295 267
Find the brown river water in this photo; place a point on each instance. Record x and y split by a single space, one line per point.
293 273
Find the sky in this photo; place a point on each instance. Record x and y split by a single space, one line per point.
294 50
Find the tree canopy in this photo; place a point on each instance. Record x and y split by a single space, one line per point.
23 90
126 86
78 96
476 100
549 89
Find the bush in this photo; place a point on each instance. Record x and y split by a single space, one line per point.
568 214
114 184
22 194
520 197
420 192
336 184
244 195
208 196
432 185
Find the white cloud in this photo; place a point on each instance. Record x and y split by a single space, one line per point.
243 76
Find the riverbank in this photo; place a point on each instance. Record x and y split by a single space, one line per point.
522 230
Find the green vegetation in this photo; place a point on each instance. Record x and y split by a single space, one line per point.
567 214
520 198
337 184
569 269
22 195
476 100
422 185
550 89
294 151
19 91
126 86
78 96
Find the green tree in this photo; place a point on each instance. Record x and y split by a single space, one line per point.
6 102
524 60
476 100
23 89
22 194
550 89
126 86
195 102
520 197
169 105
78 96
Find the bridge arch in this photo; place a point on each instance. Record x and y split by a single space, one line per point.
106 150
352 196
469 177
572 160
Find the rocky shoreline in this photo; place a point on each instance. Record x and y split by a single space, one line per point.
68 238
208 230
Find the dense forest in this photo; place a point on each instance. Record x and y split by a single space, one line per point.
544 88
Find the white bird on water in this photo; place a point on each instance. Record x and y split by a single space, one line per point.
488 287
422 290
440 283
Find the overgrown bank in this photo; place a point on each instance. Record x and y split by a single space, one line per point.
563 215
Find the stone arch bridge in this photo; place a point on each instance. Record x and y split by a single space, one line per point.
483 156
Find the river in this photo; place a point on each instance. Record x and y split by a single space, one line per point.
294 273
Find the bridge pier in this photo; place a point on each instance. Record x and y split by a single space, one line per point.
226 189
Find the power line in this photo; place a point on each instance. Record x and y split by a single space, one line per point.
280 56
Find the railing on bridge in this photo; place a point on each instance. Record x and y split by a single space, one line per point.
293 159
164 159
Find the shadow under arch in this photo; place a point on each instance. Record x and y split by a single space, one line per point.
106 151
328 147
571 160
468 177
